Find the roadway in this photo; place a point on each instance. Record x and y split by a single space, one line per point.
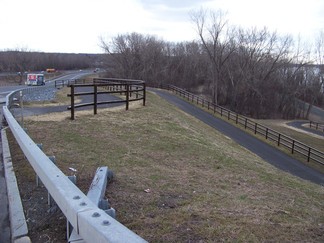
267 152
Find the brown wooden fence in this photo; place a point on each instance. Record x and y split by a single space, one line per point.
134 90
316 125
293 146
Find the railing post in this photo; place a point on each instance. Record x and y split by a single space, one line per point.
308 155
72 102
255 128
144 93
279 139
293 146
267 130
95 99
127 96
236 118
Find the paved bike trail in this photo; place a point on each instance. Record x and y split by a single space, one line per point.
265 151
301 125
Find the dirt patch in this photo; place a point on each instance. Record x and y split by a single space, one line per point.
61 116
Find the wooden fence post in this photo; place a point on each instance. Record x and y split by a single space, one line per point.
144 93
72 102
308 155
95 99
127 96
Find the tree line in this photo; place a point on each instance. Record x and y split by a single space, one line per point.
22 60
254 72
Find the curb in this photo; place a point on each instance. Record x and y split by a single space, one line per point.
18 225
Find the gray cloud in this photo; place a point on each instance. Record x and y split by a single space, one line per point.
171 10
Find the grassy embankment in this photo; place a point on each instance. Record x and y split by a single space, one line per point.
203 186
281 126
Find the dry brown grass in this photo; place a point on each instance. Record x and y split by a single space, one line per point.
203 186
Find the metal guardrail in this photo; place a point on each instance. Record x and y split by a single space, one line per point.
294 146
90 222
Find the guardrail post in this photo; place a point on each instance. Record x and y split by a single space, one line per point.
267 130
40 146
50 200
69 227
95 194
279 139
293 146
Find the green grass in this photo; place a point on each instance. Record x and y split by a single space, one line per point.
203 186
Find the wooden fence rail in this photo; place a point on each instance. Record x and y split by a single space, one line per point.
316 125
108 86
294 146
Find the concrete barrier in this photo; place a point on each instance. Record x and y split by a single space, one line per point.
18 225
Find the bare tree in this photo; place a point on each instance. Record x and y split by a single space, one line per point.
218 41
136 56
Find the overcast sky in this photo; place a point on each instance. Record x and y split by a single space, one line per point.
75 26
